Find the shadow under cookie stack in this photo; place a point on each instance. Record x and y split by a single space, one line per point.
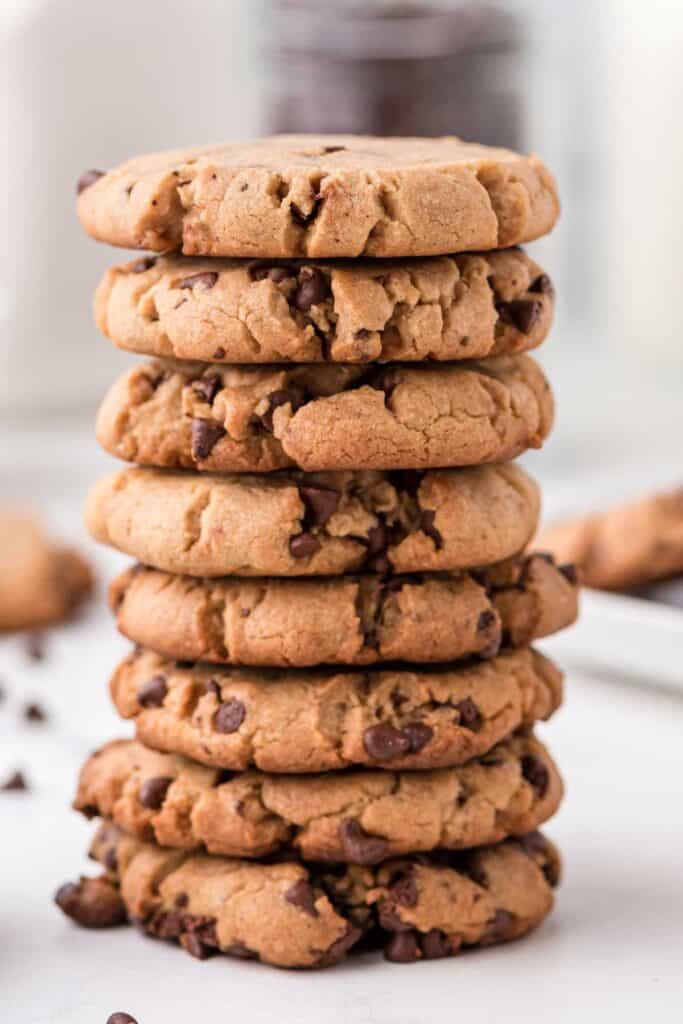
332 684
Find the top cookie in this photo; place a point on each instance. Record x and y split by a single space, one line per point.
322 196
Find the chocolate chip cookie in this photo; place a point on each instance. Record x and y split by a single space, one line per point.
624 547
319 720
333 417
41 582
317 524
360 817
292 915
321 196
467 306
349 620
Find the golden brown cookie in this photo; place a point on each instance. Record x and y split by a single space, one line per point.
317 720
623 547
322 196
359 817
333 417
317 524
350 620
291 915
467 306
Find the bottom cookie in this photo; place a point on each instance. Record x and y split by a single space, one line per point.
289 914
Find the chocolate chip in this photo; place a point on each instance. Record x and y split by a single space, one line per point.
418 735
153 693
219 353
207 387
152 792
313 289
404 891
333 149
536 773
498 928
92 903
292 396
360 847
301 895
140 266
522 314
87 179
181 900
485 621
111 861
427 526
570 573
259 270
121 1018
377 539
193 945
34 713
407 480
206 280
238 949
303 545
384 742
321 504
211 686
340 946
402 948
205 434
16 783
542 284
304 219
35 646
470 715
229 716
434 945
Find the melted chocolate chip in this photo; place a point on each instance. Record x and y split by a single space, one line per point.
402 948
92 903
301 895
207 387
193 945
334 149
536 773
229 716
522 314
427 526
303 545
485 621
241 951
469 714
153 791
542 284
313 289
498 928
205 280
205 435
360 847
121 1018
292 396
404 891
384 741
341 946
260 270
418 735
321 504
153 693
87 179
219 353
435 945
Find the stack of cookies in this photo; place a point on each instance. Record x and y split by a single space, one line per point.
332 684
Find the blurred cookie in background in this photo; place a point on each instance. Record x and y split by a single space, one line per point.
41 582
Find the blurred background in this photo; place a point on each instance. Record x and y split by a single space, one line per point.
592 87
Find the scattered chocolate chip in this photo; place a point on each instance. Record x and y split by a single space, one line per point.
207 387
153 693
341 946
35 646
570 573
87 179
193 945
384 742
303 545
292 396
152 792
205 434
427 526
470 715
536 773
219 353
402 948
418 735
206 280
16 783
321 504
485 621
34 713
313 289
301 895
140 266
434 945
229 716
360 847
542 284
121 1018
522 314
304 219
92 903
404 891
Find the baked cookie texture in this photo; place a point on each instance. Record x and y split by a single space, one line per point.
357 817
624 547
333 417
467 306
319 720
293 915
315 524
347 620
41 582
322 196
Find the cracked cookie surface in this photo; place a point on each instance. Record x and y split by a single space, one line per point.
291 915
466 306
360 817
319 720
334 417
349 621
296 524
322 196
